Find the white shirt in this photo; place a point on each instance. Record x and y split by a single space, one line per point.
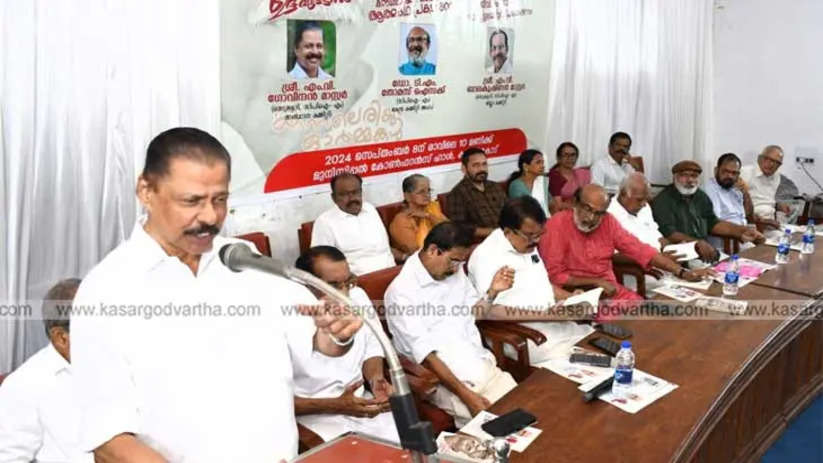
642 225
194 388
607 173
39 417
762 189
426 315
505 69
298 73
318 376
362 238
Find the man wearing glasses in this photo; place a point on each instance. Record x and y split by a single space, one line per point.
761 181
329 391
579 244
514 244
354 227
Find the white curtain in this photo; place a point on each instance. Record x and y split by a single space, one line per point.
83 88
642 67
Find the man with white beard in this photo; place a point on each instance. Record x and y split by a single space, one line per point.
685 213
417 45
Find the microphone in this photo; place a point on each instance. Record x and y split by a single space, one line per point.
415 435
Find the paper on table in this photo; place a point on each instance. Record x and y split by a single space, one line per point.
688 250
468 448
578 372
818 230
795 243
677 293
517 441
671 280
720 304
591 296
748 268
645 390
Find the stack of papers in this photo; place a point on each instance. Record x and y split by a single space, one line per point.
679 294
818 230
645 390
580 373
517 441
686 250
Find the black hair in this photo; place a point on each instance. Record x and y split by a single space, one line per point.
617 135
498 32
464 158
306 260
56 304
184 142
563 145
526 157
302 28
343 175
728 157
517 210
410 182
448 235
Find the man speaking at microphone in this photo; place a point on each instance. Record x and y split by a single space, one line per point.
183 359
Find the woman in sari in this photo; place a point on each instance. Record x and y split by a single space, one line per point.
420 214
530 180
565 178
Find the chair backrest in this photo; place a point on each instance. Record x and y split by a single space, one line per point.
637 163
304 236
2 377
375 285
260 240
388 211
442 198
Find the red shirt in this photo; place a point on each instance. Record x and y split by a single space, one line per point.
568 252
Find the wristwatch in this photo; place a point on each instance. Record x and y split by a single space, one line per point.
681 272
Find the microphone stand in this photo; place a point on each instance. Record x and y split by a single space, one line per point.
415 435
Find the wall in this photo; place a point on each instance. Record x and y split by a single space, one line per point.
768 74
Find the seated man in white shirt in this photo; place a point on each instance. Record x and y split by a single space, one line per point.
328 391
610 170
354 227
178 357
39 417
631 209
761 181
514 244
430 309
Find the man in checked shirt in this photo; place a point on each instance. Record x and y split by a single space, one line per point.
476 202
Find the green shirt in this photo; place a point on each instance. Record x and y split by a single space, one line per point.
692 215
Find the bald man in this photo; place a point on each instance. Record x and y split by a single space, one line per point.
417 45
579 244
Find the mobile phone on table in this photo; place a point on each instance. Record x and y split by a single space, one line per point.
509 423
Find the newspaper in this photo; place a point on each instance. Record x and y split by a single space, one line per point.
677 293
671 280
468 448
517 441
645 390
720 304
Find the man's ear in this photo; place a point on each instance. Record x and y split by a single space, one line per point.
145 190
59 336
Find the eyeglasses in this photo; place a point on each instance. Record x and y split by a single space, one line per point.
590 210
426 192
773 161
348 283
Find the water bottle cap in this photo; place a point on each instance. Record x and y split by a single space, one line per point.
735 256
788 231
811 221
626 344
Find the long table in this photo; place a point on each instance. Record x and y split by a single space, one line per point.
740 382
803 274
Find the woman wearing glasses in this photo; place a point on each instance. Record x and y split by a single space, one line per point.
565 178
420 214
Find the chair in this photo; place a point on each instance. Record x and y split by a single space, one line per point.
442 198
260 240
421 380
2 377
498 333
304 236
388 211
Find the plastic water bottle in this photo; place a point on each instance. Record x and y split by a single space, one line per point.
783 247
808 239
624 361
730 282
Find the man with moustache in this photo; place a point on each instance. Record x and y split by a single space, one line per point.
354 227
158 379
417 46
685 213
579 244
475 202
761 181
309 52
730 199
499 53
611 169
514 244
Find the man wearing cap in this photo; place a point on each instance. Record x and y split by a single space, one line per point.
685 213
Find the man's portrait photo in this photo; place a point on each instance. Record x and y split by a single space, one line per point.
311 49
499 58
418 50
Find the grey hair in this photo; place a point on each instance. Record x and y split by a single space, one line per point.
627 182
411 181
56 304
771 148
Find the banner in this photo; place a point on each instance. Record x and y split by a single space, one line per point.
311 88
